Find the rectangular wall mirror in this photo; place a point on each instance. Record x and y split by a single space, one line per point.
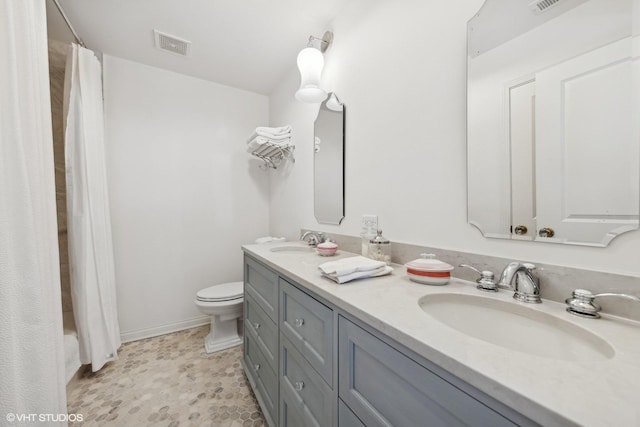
328 162
553 129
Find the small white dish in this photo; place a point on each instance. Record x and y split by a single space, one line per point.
327 249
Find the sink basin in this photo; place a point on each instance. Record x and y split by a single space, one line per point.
293 248
517 327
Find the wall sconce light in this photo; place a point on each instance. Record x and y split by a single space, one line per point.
310 63
334 104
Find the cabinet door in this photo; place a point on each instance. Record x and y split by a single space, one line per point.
309 325
262 284
263 329
384 387
264 379
303 392
346 418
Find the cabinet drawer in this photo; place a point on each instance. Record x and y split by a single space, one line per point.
384 387
309 325
290 415
264 331
262 285
303 392
264 377
346 418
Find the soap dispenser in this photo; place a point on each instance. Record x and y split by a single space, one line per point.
380 248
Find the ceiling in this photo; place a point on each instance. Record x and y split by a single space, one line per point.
499 21
247 44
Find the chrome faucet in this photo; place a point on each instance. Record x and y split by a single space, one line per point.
581 302
315 237
527 284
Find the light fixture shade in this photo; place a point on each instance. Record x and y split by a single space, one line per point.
310 63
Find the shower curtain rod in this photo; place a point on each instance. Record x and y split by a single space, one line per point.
66 20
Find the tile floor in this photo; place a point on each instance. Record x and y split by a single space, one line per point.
167 381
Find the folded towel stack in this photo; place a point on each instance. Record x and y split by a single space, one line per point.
265 139
357 267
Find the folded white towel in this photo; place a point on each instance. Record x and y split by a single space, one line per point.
272 138
264 139
360 274
350 265
269 137
267 131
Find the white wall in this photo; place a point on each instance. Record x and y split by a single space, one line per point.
184 193
400 69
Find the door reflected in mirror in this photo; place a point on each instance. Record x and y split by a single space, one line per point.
328 161
553 136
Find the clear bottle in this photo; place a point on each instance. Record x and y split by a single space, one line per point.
380 248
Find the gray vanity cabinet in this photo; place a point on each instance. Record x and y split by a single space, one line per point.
263 330
262 284
384 387
262 377
305 398
346 418
311 364
261 336
309 325
306 359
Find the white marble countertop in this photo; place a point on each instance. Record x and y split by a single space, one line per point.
548 391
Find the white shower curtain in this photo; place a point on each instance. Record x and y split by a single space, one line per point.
93 287
32 375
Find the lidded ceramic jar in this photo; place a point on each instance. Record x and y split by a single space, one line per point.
327 248
380 248
428 270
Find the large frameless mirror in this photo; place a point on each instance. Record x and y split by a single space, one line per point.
328 164
553 135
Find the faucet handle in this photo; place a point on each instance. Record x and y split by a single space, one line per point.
315 237
581 302
486 281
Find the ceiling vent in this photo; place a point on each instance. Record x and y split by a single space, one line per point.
171 43
540 6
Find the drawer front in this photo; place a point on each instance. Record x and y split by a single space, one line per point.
383 387
264 331
302 390
264 377
262 285
290 415
346 418
309 325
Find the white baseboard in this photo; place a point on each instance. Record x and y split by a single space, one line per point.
164 329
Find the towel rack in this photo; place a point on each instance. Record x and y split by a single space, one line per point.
273 154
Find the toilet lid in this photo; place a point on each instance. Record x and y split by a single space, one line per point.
223 292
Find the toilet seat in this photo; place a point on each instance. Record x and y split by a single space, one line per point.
220 293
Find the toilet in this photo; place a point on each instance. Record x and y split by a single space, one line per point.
224 304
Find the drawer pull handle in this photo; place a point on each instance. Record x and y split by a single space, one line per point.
256 325
298 323
299 385
256 367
